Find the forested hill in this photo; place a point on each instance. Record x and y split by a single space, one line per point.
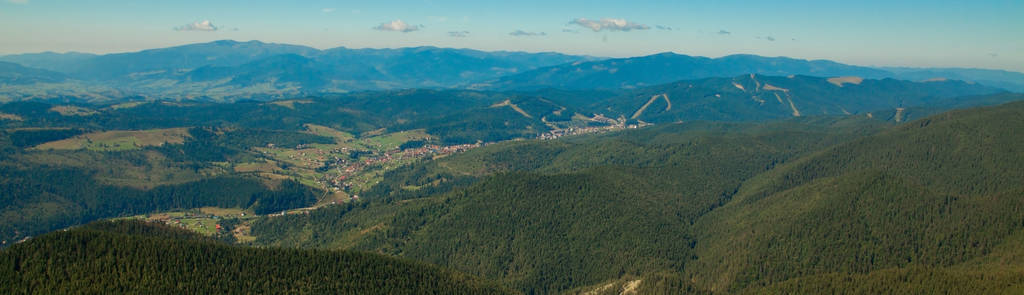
549 216
931 205
643 71
936 200
228 71
758 97
139 257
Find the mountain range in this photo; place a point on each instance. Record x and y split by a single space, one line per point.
841 204
230 70
246 167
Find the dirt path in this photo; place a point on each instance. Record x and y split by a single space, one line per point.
600 290
649 102
630 287
796 112
508 103
789 98
839 81
737 85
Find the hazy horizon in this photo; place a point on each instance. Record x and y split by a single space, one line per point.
872 33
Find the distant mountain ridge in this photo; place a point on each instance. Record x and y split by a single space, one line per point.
670 67
230 70
759 97
12 73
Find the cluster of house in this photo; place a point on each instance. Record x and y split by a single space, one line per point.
558 133
186 220
347 170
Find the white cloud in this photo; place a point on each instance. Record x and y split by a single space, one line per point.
610 24
397 26
205 25
458 34
521 33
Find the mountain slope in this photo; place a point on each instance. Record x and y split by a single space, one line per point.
936 192
670 67
15 74
133 256
49 60
711 207
756 97
547 217
138 65
1012 81
231 70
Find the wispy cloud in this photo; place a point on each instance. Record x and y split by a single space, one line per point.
570 31
204 26
609 24
769 38
327 10
723 32
397 26
664 28
458 34
521 33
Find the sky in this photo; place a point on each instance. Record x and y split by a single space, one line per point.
976 34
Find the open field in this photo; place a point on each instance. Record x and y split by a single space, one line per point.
202 220
118 140
291 103
126 105
155 170
339 136
73 111
10 117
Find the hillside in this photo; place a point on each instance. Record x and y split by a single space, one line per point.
1012 81
778 207
551 216
452 115
936 193
669 67
643 71
756 97
230 70
137 257
15 74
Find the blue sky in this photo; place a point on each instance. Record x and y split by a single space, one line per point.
982 33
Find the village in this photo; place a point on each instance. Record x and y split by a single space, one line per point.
347 168
613 125
344 170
